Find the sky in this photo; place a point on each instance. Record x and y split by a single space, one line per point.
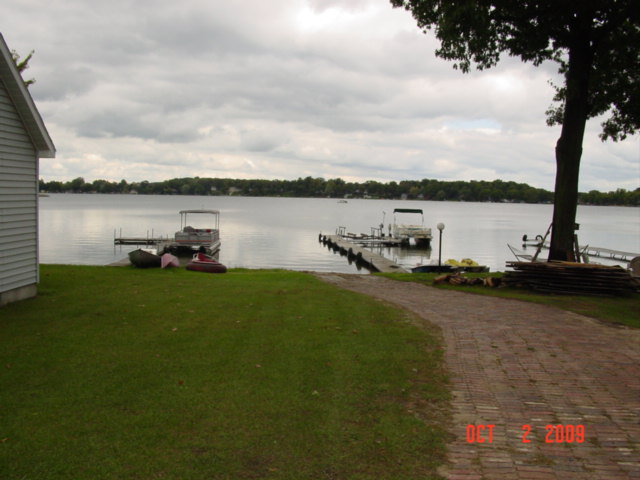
281 89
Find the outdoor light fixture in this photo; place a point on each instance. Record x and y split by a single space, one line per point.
440 227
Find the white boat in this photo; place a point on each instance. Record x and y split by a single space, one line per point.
408 232
202 236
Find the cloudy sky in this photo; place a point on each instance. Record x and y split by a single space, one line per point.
281 89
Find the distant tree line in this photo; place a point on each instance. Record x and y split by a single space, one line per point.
426 189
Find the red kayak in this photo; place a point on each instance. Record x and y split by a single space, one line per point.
208 266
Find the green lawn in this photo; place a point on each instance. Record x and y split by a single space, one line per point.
119 373
621 310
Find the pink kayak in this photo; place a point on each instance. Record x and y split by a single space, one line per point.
168 260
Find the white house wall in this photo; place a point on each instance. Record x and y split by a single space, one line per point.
18 200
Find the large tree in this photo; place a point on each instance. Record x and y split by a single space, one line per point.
597 46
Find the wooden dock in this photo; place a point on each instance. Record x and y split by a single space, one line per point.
148 241
359 254
367 241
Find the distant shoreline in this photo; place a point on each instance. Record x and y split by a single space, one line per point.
496 191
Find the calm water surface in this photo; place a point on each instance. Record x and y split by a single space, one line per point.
283 232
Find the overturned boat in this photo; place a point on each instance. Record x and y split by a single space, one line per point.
143 259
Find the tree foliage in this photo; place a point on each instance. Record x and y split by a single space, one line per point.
23 65
478 32
594 42
425 189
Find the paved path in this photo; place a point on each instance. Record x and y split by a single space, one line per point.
514 364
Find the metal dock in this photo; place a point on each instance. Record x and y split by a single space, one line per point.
148 241
611 254
372 261
597 252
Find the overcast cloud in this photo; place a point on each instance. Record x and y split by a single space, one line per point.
280 89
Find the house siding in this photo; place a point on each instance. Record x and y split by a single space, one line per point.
18 202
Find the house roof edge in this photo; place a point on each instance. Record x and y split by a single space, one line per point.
24 103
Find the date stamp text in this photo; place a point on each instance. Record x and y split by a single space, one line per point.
558 433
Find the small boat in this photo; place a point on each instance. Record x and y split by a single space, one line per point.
467 265
432 268
168 260
205 263
143 259
420 234
208 266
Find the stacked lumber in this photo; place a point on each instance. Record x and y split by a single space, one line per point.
570 278
458 279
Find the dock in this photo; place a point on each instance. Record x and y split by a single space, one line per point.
354 251
161 244
370 241
611 254
148 241
596 252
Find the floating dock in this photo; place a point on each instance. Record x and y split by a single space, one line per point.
367 241
597 252
611 254
139 241
372 261
162 245
150 240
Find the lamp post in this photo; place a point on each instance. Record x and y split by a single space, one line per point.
440 227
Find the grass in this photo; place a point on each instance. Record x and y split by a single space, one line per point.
621 310
118 373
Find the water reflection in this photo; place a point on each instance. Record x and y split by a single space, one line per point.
283 232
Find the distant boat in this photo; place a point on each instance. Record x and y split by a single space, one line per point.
143 259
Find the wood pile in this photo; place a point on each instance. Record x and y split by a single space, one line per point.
458 279
570 278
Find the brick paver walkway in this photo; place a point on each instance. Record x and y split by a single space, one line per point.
517 365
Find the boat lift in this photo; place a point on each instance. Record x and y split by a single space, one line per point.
583 252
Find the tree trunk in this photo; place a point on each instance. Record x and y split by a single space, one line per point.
569 146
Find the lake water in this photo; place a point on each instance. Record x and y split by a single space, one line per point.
283 232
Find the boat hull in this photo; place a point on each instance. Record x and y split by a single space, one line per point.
143 259
168 260
186 248
432 268
206 267
405 233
